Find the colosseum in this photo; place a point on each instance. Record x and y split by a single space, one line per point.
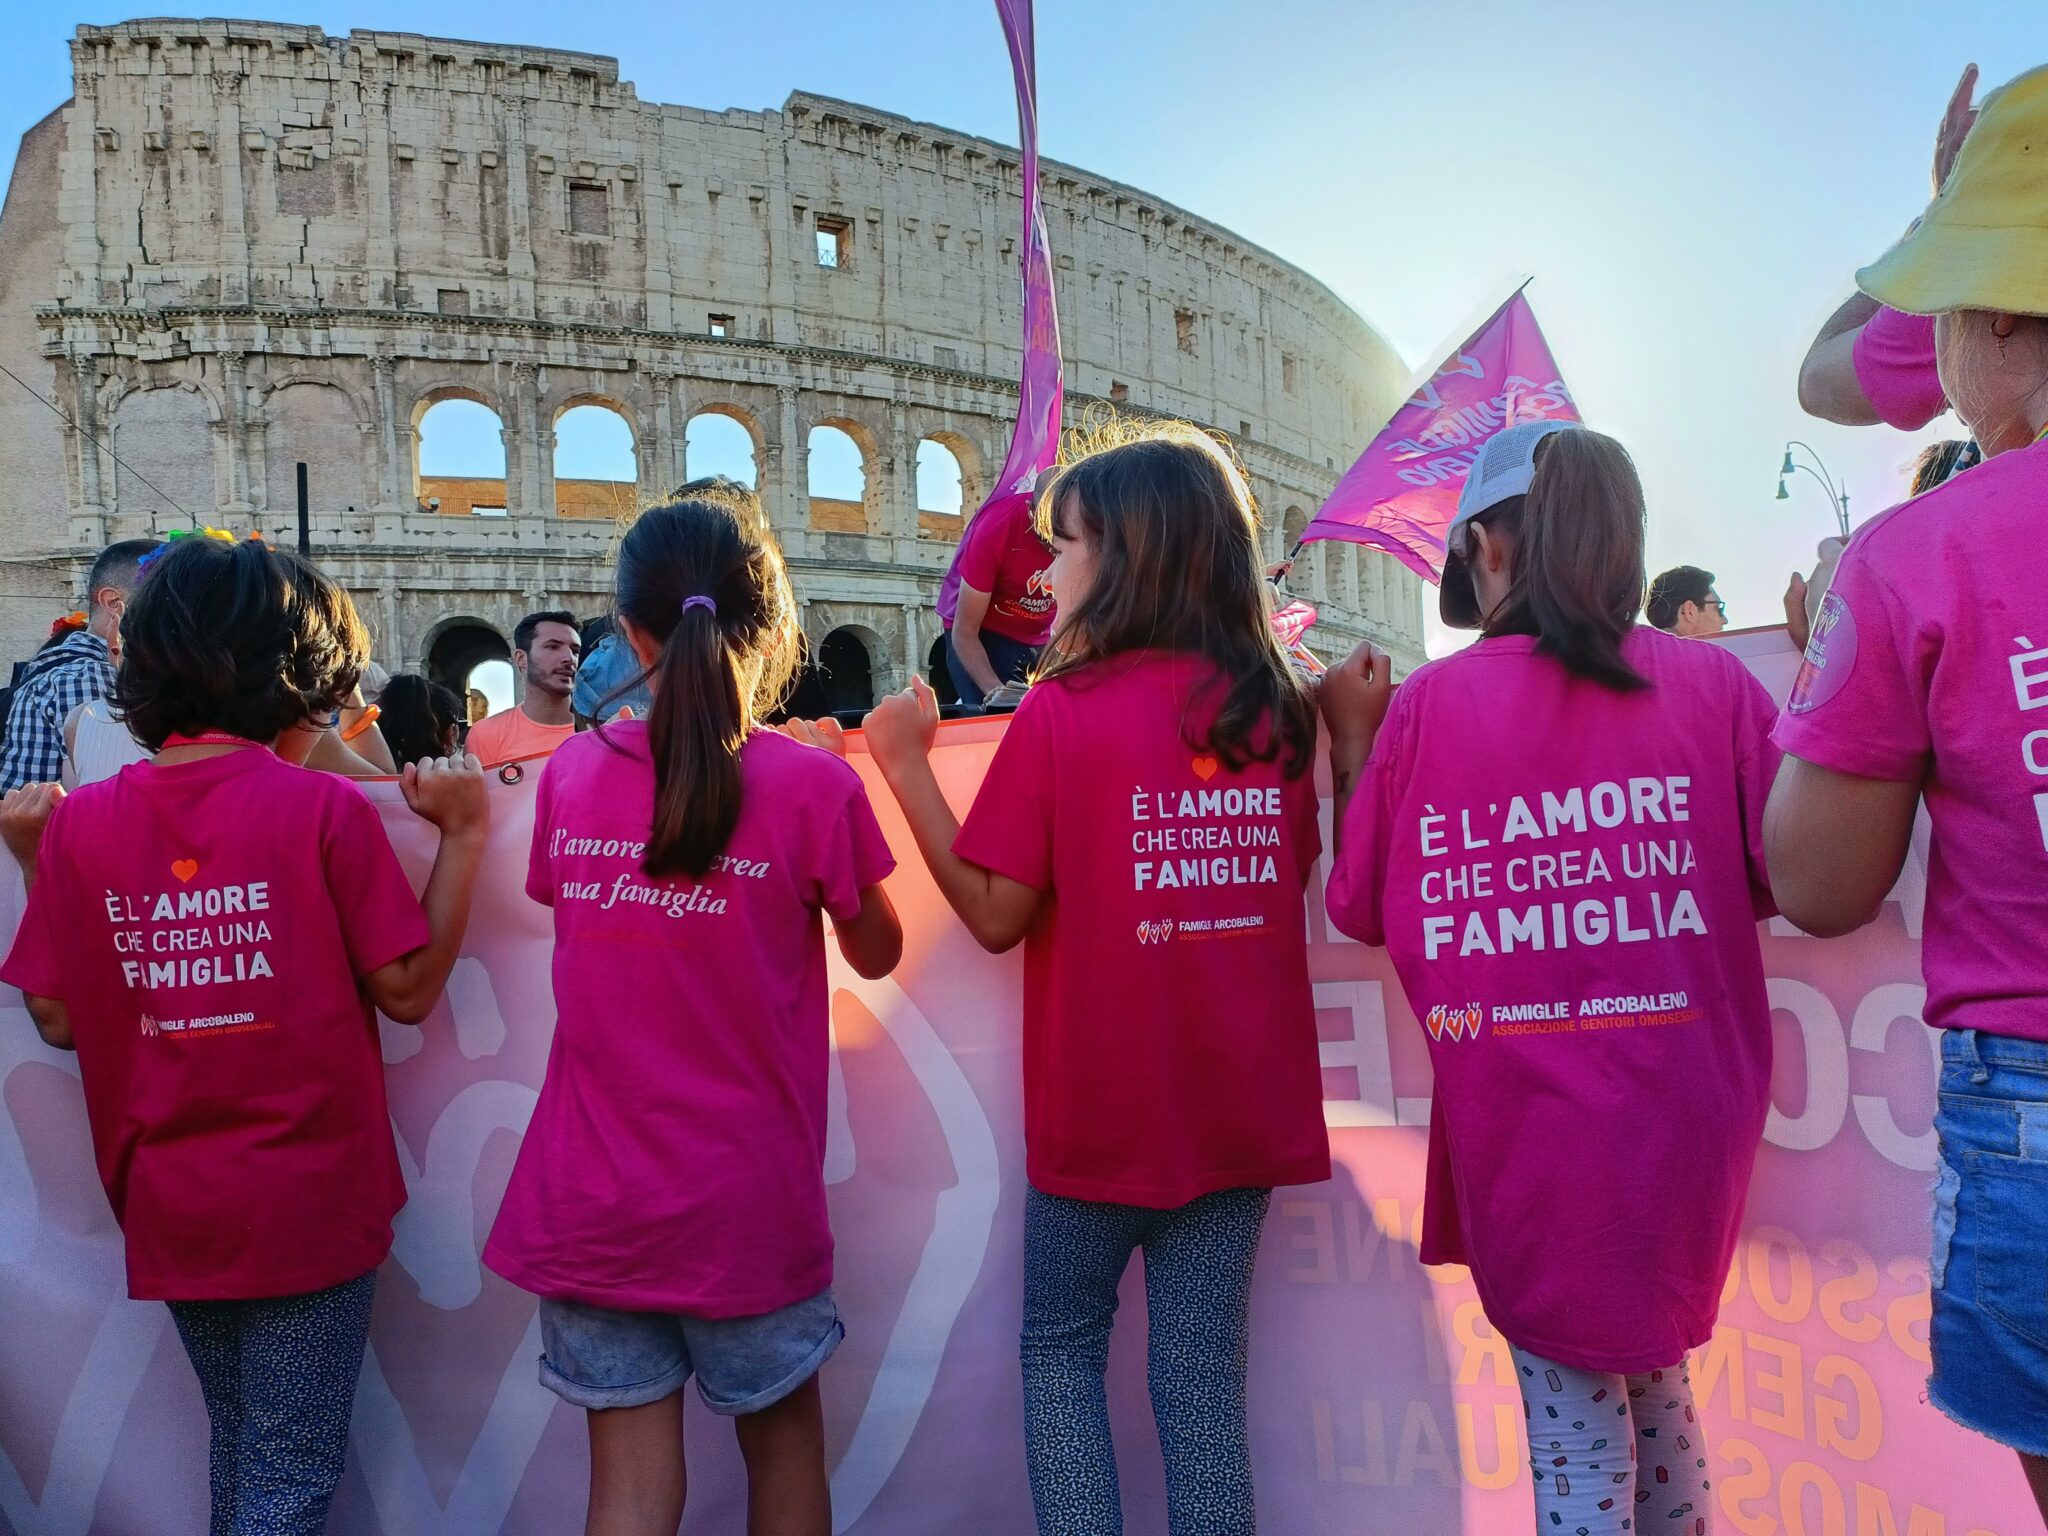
245 246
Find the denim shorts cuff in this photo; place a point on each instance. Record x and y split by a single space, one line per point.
769 1397
2027 1445
636 1395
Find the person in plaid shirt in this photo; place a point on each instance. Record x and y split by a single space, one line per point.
78 669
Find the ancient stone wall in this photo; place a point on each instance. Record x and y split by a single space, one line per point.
246 245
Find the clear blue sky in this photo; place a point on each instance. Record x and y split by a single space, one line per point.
1692 187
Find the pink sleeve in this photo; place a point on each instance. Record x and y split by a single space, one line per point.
1756 767
1859 704
1009 828
540 874
852 855
35 963
1305 821
1894 360
381 920
981 555
1353 897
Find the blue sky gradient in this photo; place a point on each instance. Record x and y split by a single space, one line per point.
1692 187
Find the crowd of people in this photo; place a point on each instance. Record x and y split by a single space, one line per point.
1149 815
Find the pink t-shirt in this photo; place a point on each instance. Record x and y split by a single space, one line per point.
675 1161
1894 360
1929 665
1003 556
205 925
1169 1035
1568 881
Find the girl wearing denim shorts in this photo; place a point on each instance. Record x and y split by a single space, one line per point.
1926 679
668 1203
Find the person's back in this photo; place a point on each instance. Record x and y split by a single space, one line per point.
1565 879
691 1035
1198 917
98 743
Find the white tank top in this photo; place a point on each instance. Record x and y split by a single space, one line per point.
101 746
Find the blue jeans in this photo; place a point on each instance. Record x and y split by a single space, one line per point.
601 1357
1989 1330
1198 1281
1011 659
279 1379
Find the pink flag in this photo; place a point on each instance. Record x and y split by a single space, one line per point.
1402 492
1036 443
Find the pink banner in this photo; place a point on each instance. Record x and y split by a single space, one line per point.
1035 444
1401 494
1380 1398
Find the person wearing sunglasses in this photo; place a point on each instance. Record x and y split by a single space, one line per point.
1683 602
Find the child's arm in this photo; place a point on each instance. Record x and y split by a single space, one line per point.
873 942
1353 697
449 792
997 910
24 813
52 1021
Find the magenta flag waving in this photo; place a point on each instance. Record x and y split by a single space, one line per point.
1402 492
1036 443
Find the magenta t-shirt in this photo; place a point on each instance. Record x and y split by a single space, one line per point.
206 925
1003 556
1169 1035
1894 360
1928 665
675 1161
1568 881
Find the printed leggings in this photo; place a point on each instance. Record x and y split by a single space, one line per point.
1613 1453
1198 1277
279 1379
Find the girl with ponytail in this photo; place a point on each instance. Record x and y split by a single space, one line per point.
1557 835
668 1203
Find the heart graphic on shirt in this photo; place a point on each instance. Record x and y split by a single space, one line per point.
1205 768
185 869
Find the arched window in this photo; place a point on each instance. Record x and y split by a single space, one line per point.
468 654
715 443
1306 578
163 434
939 481
838 481
461 458
314 425
596 469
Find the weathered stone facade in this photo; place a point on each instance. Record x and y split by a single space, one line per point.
245 245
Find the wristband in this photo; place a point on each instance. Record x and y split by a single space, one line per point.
369 718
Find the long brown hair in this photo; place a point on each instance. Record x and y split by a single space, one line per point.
702 576
1577 540
1175 534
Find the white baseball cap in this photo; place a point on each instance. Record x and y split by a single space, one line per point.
1505 467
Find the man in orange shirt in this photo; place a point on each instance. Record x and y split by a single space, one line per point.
544 651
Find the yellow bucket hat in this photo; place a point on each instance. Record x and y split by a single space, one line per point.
1983 242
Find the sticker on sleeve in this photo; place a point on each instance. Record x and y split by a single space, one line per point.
1830 656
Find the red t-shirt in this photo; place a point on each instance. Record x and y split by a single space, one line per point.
1003 556
1169 1031
205 925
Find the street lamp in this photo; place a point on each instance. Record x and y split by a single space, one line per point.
1819 472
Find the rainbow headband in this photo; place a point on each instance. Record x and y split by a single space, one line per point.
187 533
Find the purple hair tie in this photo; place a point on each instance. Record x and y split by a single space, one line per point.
701 602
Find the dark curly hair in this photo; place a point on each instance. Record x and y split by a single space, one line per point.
240 638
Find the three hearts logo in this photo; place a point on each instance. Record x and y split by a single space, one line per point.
1457 1023
1155 933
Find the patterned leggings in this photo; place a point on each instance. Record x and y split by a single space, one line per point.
1198 1277
1589 1485
279 1379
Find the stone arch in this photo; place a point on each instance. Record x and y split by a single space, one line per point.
593 445
474 485
967 463
845 670
939 675
715 449
457 644
165 464
831 510
318 423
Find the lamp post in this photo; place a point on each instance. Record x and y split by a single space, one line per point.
1819 472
